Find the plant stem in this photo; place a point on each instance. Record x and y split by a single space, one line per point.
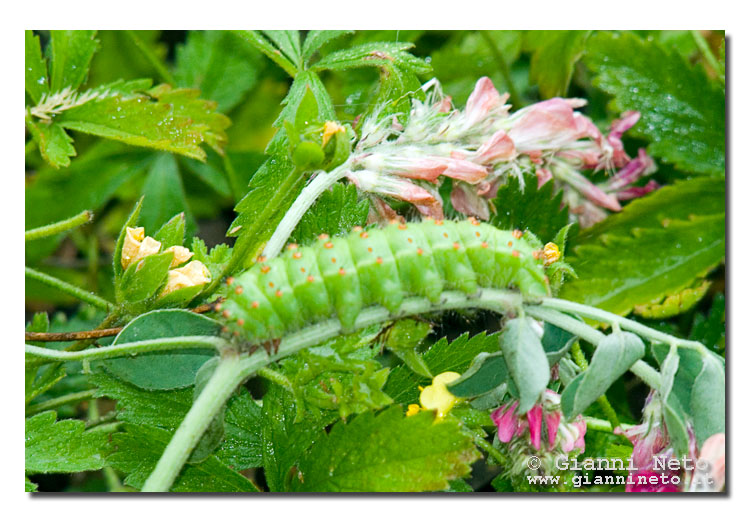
236 370
705 50
646 373
231 371
489 449
59 401
46 337
136 347
592 423
626 324
504 69
61 226
319 184
73 290
154 60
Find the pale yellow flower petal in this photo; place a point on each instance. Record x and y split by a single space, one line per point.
196 272
176 281
181 255
551 253
330 129
437 397
133 238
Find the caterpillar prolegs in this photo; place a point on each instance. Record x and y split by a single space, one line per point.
339 276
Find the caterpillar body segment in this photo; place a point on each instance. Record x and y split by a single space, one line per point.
338 277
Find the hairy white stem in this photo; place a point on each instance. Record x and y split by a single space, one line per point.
312 191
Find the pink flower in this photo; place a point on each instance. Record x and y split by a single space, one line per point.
543 176
483 102
498 148
428 168
567 436
468 200
402 189
583 185
507 422
635 169
710 473
535 426
551 124
618 155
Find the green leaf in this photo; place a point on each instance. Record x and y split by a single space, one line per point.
219 64
264 46
55 146
398 71
708 398
404 339
172 233
456 356
166 409
64 446
682 111
129 223
675 420
336 212
141 280
71 53
276 184
159 408
139 449
526 360
613 356
174 120
655 247
556 342
486 373
30 486
37 79
317 39
288 43
164 195
88 184
242 447
375 54
284 440
154 371
673 304
467 56
555 54
216 260
709 329
387 453
537 209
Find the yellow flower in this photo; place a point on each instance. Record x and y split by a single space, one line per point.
330 129
551 253
192 274
412 409
437 397
181 254
136 247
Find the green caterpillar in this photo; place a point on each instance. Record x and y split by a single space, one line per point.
340 276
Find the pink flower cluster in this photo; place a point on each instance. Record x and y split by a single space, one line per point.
651 444
482 145
544 417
